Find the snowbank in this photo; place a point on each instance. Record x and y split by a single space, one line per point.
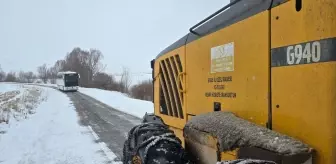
51 135
9 86
120 101
47 85
6 87
18 102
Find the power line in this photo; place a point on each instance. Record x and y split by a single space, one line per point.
133 74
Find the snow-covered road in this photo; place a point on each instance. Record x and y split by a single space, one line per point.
51 135
110 125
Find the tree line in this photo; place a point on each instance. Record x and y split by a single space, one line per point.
88 63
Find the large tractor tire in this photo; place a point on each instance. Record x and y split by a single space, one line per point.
152 142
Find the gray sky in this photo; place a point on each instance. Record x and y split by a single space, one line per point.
129 33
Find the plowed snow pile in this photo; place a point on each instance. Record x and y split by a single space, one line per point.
18 103
120 101
40 125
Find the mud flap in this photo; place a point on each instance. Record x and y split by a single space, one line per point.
203 151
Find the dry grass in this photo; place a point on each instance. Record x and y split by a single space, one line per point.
8 95
16 105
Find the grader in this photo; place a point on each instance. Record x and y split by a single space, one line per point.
254 80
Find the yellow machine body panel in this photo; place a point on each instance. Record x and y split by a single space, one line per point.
304 85
275 68
231 66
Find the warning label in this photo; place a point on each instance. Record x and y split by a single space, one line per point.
222 58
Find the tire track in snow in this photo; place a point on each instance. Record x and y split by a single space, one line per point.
108 153
108 126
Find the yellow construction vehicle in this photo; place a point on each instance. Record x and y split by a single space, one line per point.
262 72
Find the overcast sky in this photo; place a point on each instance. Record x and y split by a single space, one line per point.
129 33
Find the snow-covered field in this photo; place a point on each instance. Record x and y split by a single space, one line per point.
40 129
120 101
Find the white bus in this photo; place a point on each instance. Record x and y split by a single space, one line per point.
67 81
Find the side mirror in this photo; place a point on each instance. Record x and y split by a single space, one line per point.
152 63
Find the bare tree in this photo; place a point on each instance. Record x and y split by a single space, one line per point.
11 77
2 74
104 81
143 90
43 72
25 77
29 76
59 65
91 63
52 74
86 62
22 77
125 80
94 61
76 61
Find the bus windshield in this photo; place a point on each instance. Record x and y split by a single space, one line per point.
71 79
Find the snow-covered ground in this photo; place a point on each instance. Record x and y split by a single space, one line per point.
17 102
50 134
115 99
43 84
5 87
34 123
120 101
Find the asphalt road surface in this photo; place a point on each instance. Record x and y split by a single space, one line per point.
110 125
